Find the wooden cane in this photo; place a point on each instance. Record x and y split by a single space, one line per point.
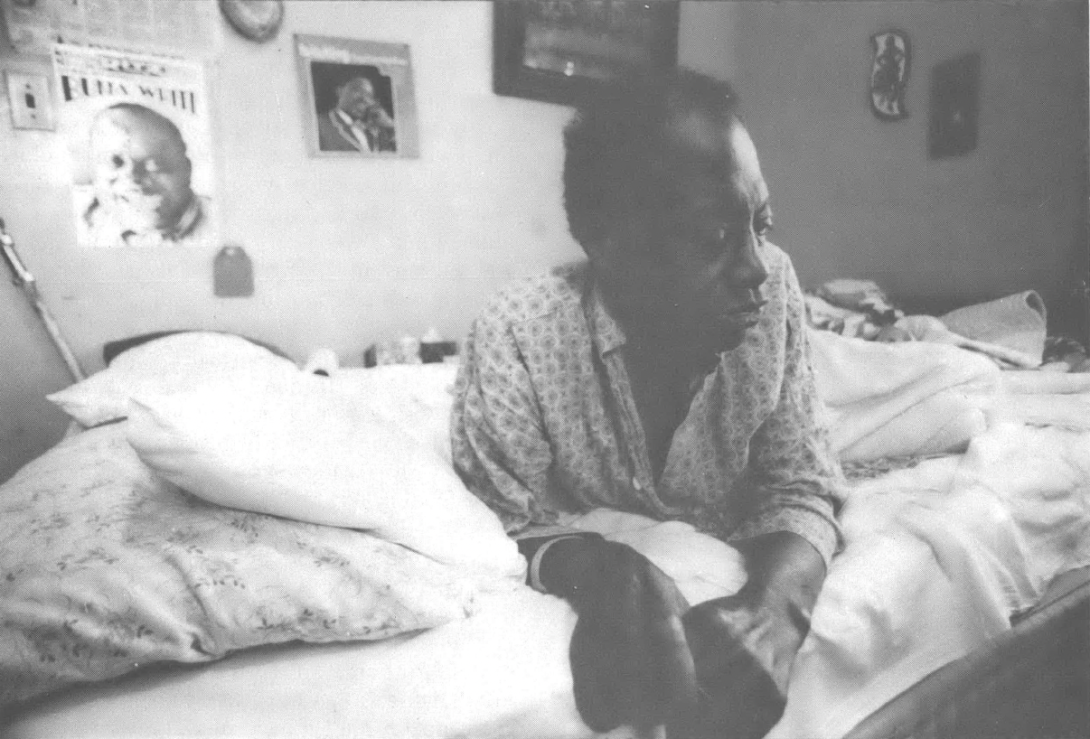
22 277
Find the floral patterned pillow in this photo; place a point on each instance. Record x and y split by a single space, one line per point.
105 567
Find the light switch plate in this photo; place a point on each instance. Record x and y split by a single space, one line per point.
31 103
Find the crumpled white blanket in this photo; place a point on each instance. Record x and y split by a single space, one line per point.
900 399
937 558
921 398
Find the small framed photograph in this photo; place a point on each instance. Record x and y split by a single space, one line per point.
559 51
358 98
954 106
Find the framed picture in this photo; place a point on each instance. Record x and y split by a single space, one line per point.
358 98
954 106
560 50
889 74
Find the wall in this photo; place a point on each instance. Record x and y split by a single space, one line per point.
855 196
347 252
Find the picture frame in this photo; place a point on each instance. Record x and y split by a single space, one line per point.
561 52
890 69
953 123
357 98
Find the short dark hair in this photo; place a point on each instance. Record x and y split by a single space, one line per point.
630 115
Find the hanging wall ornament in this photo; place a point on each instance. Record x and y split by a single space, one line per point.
256 20
889 74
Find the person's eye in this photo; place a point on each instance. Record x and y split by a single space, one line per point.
762 223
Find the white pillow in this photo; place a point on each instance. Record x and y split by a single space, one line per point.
416 397
171 364
298 448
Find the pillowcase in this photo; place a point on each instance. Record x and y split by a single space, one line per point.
417 398
107 567
300 449
173 363
111 349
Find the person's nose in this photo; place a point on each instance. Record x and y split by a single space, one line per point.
749 270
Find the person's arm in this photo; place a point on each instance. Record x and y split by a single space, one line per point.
745 644
630 660
797 481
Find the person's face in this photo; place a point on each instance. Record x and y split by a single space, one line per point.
684 260
356 97
141 172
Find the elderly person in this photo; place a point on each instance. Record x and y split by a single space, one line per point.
141 172
358 122
667 375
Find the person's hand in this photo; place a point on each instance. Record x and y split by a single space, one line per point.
744 644
631 662
743 651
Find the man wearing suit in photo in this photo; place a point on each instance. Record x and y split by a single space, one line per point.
358 122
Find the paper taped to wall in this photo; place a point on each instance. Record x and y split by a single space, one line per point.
137 25
137 129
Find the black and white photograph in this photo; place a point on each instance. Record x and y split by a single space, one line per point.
545 369
137 129
361 97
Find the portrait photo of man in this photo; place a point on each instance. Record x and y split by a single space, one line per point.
141 191
354 108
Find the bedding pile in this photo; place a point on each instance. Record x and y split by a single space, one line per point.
1012 330
900 386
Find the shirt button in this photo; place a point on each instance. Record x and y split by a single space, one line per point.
636 484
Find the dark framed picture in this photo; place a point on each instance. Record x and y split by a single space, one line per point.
955 106
559 51
358 98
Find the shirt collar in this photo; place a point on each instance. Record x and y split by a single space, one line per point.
604 329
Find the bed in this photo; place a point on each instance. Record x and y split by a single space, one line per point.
157 579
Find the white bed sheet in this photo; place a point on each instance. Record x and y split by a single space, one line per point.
937 559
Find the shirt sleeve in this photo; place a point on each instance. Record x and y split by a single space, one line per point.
499 446
798 483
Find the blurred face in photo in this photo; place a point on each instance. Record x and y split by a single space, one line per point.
356 97
141 171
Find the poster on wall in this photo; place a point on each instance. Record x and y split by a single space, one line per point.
145 25
137 130
358 98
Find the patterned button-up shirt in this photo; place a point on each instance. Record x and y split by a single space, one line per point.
545 423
